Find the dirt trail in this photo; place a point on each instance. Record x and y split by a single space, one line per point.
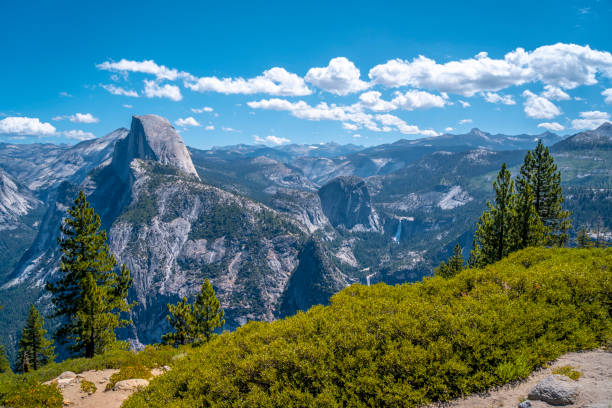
595 384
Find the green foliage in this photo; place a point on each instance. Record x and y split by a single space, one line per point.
568 371
89 295
454 265
5 366
495 235
128 373
207 312
35 350
88 387
405 345
180 318
141 211
27 392
539 171
583 240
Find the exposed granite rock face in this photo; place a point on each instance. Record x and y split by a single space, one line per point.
15 201
152 137
346 201
555 390
314 281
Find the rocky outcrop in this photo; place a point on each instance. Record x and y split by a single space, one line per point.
15 201
152 137
600 138
555 390
346 201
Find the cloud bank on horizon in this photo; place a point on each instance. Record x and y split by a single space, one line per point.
541 81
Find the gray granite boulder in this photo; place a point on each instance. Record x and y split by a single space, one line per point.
555 390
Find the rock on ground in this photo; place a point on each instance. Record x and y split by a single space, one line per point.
555 390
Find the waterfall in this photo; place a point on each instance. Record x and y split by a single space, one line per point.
398 233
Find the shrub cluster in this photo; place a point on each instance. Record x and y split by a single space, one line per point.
129 372
405 345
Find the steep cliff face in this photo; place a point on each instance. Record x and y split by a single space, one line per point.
346 201
153 138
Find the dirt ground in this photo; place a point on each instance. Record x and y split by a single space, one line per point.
595 384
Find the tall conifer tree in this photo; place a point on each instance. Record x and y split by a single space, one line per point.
89 294
529 228
540 172
207 312
495 236
453 266
35 350
180 318
5 366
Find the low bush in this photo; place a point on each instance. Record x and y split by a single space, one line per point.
568 371
88 387
404 345
27 392
128 373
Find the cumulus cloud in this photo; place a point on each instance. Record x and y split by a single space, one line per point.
275 81
464 121
349 126
79 135
145 67
23 125
560 65
608 94
464 103
493 97
372 100
209 127
186 122
271 140
127 106
449 129
554 93
418 100
154 90
538 107
117 90
340 77
202 110
552 126
393 121
79 118
590 120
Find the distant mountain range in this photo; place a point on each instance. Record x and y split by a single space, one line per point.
276 229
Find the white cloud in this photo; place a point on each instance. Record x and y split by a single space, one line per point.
127 106
561 65
202 110
271 140
209 127
340 77
228 129
145 67
538 107
493 97
464 121
372 101
356 136
117 90
554 93
552 126
449 129
464 103
79 135
349 126
185 122
65 94
83 118
402 126
153 90
608 94
590 120
418 100
275 81
22 125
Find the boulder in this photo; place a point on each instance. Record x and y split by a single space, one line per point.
555 390
130 385
66 374
525 404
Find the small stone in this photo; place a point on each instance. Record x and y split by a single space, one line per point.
165 368
555 390
130 385
67 403
525 404
63 382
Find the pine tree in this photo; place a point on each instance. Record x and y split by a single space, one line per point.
35 350
5 366
89 294
180 318
583 240
207 312
453 266
529 228
540 172
495 236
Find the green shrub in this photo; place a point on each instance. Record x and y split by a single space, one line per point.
404 345
88 387
26 392
128 373
568 371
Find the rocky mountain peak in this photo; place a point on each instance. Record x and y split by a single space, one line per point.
477 132
152 137
604 129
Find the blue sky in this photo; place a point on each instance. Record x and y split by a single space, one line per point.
352 72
